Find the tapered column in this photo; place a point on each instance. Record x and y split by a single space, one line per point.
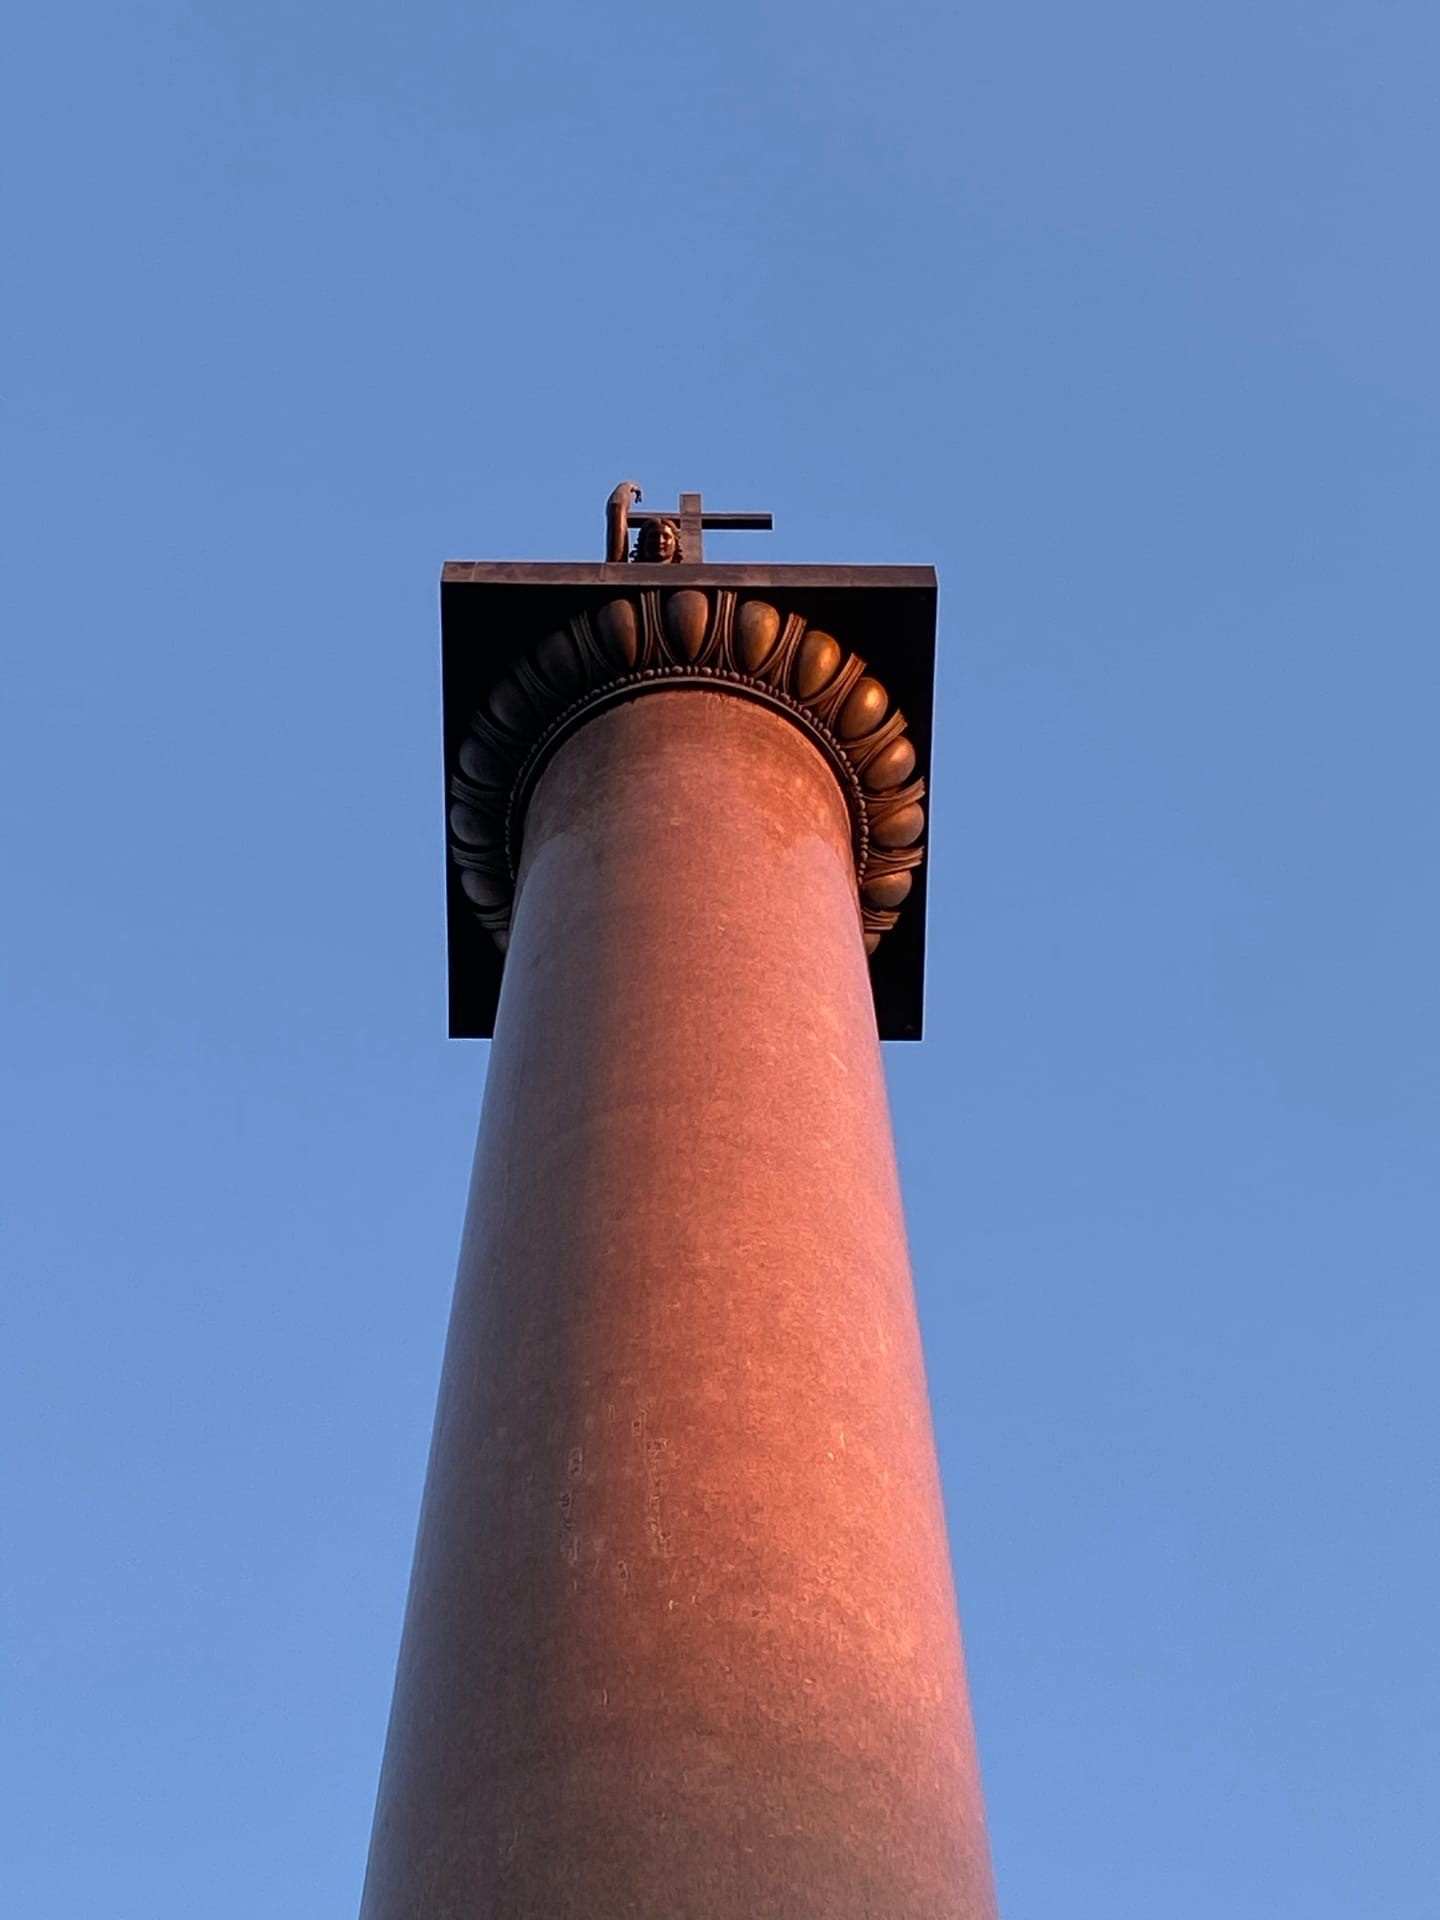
681 1641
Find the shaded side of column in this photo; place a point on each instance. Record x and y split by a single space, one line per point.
681 1641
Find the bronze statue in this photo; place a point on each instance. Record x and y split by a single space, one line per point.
658 543
665 539
617 519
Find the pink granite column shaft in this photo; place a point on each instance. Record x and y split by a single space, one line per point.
681 1641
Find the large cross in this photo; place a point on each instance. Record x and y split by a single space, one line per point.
692 520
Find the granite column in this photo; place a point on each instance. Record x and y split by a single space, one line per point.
681 1642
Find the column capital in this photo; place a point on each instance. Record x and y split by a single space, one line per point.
531 652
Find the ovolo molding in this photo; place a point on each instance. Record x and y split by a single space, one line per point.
650 640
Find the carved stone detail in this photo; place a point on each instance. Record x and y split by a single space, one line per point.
642 642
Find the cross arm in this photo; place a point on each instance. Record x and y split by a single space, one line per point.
764 522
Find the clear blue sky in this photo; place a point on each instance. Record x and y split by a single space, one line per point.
1124 316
